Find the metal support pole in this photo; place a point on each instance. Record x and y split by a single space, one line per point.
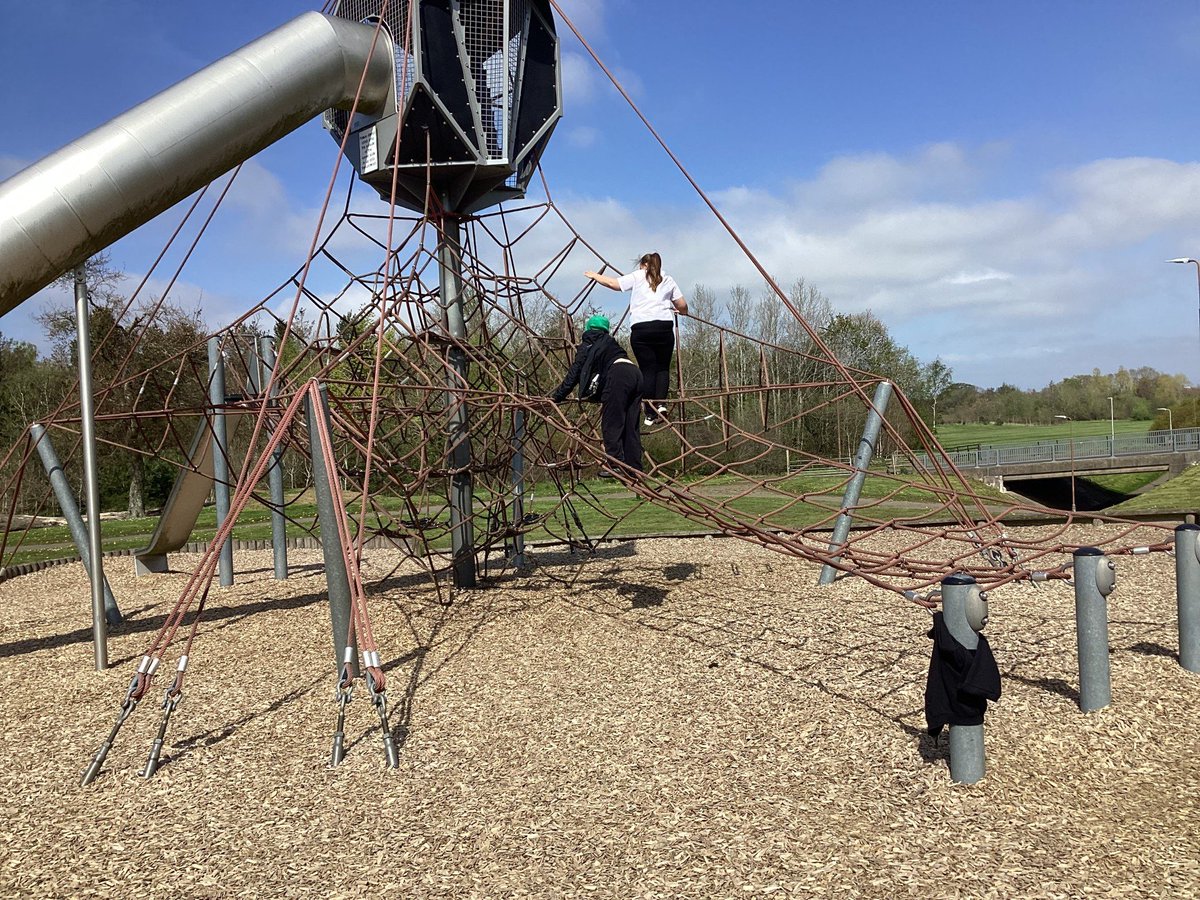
220 452
518 483
275 472
1187 592
462 501
862 461
338 582
70 511
967 763
1094 580
87 415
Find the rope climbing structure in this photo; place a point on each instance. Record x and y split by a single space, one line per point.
425 376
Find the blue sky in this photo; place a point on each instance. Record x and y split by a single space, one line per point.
1000 183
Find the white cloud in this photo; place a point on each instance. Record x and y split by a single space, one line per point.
580 78
586 15
583 136
1072 262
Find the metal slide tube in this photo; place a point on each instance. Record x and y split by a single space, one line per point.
862 461
220 453
70 511
78 200
275 473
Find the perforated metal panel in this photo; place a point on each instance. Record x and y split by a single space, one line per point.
478 88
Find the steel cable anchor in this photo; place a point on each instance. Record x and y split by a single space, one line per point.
375 688
137 689
345 691
171 697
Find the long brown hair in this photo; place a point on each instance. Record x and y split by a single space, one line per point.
652 263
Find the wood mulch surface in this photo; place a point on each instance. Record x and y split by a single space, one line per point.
689 718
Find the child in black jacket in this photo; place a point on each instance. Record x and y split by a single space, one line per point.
607 376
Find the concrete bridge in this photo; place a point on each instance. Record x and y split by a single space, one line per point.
1166 451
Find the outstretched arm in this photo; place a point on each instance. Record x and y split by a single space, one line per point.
607 280
559 394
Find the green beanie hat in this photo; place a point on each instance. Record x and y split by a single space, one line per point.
596 321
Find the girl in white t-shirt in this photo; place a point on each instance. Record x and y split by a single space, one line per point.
653 304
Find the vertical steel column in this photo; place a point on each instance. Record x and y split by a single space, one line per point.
862 461
462 501
967 763
275 472
254 378
329 498
87 416
518 483
70 511
1187 593
220 452
1094 580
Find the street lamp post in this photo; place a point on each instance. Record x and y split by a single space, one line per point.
1071 432
1188 259
1112 430
1170 423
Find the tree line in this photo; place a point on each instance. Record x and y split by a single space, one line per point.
740 356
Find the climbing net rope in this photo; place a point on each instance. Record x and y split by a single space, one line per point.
752 446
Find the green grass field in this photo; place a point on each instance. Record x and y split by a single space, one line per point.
952 436
1180 493
603 507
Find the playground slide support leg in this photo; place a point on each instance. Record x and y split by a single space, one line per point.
462 500
862 461
70 511
337 579
1094 581
1187 593
220 452
275 473
91 482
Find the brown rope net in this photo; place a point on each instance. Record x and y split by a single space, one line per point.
755 443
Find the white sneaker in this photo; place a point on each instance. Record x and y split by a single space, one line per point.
648 421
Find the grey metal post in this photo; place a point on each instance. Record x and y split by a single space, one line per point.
518 482
462 501
862 461
967 763
1094 580
337 580
91 482
1187 592
254 373
275 472
220 452
70 511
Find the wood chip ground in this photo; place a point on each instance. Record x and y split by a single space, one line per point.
690 718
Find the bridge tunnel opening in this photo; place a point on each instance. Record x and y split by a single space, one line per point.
1055 492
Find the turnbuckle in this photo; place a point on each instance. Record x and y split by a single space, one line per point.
171 697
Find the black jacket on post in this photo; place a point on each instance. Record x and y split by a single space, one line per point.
961 681
599 351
